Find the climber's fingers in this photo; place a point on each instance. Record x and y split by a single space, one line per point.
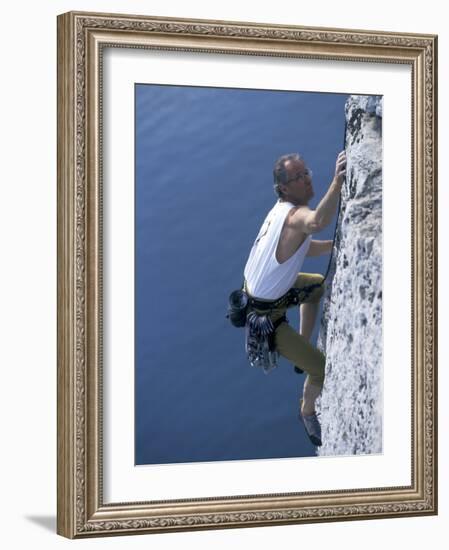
341 163
340 166
341 160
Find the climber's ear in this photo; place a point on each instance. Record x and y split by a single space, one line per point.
282 188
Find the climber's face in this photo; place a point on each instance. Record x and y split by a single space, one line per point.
298 189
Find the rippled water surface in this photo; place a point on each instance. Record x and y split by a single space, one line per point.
204 159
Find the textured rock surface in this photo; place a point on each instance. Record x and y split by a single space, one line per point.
350 407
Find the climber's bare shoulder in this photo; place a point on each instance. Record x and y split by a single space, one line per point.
293 234
304 220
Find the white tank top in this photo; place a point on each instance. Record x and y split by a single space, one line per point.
265 277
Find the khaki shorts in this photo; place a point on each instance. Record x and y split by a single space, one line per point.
290 344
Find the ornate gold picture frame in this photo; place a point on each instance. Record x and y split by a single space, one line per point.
83 510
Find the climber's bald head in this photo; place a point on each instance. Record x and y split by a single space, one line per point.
292 179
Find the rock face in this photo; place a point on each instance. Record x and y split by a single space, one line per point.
350 407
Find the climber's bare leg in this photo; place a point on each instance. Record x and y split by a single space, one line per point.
309 313
296 349
310 394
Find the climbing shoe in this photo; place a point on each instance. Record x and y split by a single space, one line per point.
312 427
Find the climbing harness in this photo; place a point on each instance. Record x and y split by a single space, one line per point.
260 342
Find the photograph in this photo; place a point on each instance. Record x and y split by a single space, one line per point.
279 192
246 283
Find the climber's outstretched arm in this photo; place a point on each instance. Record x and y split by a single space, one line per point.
318 248
310 221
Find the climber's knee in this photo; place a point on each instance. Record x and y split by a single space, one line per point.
295 348
318 294
317 281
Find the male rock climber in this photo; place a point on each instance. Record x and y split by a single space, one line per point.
273 270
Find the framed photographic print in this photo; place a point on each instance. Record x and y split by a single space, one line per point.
246 274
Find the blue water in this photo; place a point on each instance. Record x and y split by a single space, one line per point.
204 160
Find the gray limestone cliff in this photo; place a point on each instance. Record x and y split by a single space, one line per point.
350 407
